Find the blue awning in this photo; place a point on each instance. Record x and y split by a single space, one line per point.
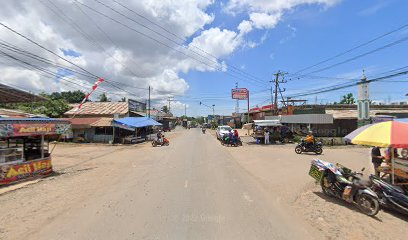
131 123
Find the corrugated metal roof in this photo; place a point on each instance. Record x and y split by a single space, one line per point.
13 113
13 95
82 121
304 118
34 120
100 108
103 122
352 114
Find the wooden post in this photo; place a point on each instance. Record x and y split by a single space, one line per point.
42 146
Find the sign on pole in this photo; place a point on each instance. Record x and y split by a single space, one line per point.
240 93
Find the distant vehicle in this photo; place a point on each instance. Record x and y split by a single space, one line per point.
222 130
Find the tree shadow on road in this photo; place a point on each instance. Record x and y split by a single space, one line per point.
342 203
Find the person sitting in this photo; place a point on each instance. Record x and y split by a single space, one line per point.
310 140
159 136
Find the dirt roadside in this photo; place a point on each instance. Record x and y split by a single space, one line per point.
285 175
78 170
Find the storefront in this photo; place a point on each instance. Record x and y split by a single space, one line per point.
24 147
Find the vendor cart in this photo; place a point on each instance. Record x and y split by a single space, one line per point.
391 134
24 147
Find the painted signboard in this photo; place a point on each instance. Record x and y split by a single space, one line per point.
18 130
136 106
240 93
15 172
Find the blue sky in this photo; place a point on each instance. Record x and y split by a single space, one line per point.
258 37
306 35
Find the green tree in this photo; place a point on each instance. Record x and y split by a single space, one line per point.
165 109
69 96
103 98
348 99
53 107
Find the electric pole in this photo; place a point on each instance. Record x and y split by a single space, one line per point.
149 103
170 99
277 88
185 110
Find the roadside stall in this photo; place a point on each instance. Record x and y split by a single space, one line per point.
390 135
132 129
24 147
278 131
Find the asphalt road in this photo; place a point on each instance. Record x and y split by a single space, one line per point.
193 189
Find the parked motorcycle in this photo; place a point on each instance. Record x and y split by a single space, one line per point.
390 196
306 147
340 182
156 142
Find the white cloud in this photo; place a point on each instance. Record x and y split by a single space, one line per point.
264 20
266 14
133 60
209 46
245 27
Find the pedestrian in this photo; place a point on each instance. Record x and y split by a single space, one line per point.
376 159
266 135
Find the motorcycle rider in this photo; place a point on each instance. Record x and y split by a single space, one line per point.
310 139
160 136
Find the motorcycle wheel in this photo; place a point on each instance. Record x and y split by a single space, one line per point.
319 150
368 204
239 143
167 144
325 187
154 144
298 149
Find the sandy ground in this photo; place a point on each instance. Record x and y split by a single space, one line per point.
194 189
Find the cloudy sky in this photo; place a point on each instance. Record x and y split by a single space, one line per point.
196 50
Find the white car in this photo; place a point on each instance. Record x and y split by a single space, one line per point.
222 130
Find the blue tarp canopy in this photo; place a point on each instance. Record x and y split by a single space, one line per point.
131 123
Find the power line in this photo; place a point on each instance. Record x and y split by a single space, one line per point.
182 39
362 55
337 87
354 48
218 68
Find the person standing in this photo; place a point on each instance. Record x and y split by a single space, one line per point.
376 159
266 135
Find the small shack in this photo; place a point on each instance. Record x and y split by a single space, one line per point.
132 129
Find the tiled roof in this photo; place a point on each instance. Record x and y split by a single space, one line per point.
100 108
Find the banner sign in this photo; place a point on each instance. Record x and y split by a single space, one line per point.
20 129
15 172
136 106
240 93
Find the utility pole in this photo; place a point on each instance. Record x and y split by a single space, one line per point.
170 99
185 110
148 111
277 88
